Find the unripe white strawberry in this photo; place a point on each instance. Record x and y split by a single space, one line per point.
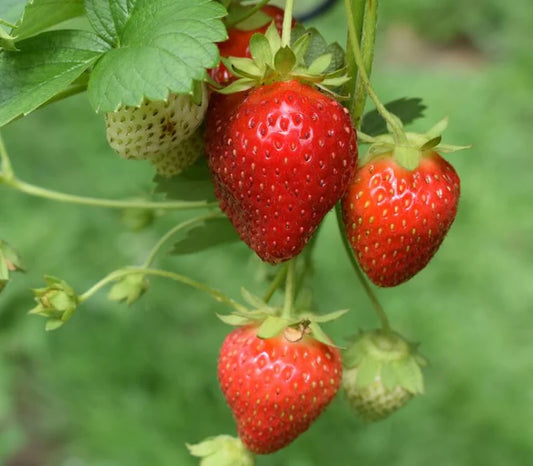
382 373
156 127
178 159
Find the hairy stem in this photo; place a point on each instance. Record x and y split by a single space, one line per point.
358 12
368 290
120 273
393 122
7 169
188 223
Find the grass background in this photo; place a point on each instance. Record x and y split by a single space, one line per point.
129 386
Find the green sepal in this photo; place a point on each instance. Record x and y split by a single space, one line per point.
272 326
222 451
129 288
235 320
324 318
386 357
284 60
319 335
58 301
260 49
320 64
11 258
253 300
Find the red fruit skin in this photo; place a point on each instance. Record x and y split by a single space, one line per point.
237 44
280 161
396 219
275 388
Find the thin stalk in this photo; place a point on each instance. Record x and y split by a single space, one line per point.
7 168
358 12
117 274
373 299
37 191
287 23
246 15
278 279
188 223
368 40
289 291
392 121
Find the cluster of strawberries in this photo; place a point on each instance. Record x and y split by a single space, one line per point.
282 153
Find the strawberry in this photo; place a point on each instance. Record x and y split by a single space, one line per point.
382 373
237 44
276 387
178 159
280 160
154 128
396 218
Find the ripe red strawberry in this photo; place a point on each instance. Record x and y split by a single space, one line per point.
281 159
396 219
237 44
275 387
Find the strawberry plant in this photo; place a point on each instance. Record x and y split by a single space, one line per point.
254 120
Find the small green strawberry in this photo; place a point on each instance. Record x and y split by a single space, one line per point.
181 157
382 373
156 127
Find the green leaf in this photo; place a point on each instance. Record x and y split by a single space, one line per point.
129 288
210 233
272 327
40 15
160 46
194 184
367 371
407 109
7 42
53 324
44 65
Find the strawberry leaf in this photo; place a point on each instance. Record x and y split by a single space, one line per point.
194 184
407 109
158 46
40 15
209 234
44 65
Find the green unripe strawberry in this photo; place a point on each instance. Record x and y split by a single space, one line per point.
382 373
181 157
156 127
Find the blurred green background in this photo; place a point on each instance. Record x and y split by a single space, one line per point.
129 386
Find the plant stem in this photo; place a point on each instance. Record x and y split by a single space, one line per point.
193 221
276 283
368 39
393 122
106 203
358 12
120 273
287 23
373 299
289 291
246 15
7 169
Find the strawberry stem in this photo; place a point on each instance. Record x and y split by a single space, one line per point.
393 122
287 23
368 39
382 315
289 291
276 283
7 170
187 223
120 273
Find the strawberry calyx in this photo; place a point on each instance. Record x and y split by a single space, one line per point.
386 357
272 61
222 450
271 321
407 148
